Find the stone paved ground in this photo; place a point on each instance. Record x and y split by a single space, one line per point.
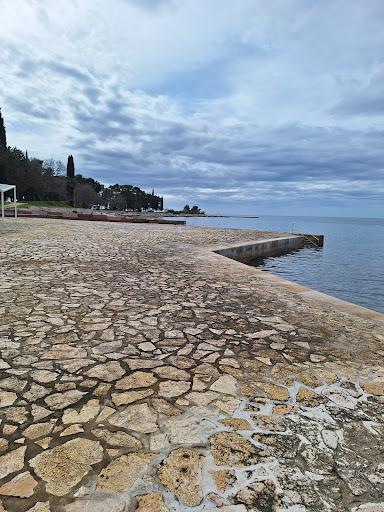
139 372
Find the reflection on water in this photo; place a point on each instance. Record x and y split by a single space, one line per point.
350 266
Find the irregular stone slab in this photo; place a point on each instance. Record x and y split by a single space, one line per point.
36 391
171 388
136 364
181 474
330 438
231 449
164 407
262 495
59 401
121 439
193 427
273 391
88 412
21 486
151 502
172 373
138 417
225 384
64 351
374 387
107 371
370 507
44 376
64 466
13 384
7 398
97 504
236 423
308 398
130 396
223 479
71 430
122 473
39 412
136 380
39 430
12 462
3 444
95 327
202 398
228 405
146 346
16 414
158 441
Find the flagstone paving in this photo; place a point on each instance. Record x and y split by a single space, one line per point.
139 372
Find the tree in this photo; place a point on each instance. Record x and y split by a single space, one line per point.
196 210
85 195
70 167
186 208
3 137
70 180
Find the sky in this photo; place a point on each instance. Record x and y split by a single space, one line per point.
246 107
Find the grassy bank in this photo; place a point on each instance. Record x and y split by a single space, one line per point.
43 204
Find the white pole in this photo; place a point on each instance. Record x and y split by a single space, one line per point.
2 205
15 201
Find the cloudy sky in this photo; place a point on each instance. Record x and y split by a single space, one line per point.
251 106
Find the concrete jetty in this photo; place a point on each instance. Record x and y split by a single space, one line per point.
143 370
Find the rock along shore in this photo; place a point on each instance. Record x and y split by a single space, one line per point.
141 372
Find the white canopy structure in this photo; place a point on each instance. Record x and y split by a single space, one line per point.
4 188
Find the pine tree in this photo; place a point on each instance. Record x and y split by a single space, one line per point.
3 138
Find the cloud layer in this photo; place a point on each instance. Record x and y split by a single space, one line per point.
254 106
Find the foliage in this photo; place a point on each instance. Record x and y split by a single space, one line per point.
46 181
44 204
195 210
3 138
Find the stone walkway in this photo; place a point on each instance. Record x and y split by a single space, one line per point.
140 372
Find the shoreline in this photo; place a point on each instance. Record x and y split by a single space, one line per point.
139 366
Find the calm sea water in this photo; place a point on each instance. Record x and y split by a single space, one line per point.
350 266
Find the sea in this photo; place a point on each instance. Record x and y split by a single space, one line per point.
350 266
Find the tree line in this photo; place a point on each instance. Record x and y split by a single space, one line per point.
50 180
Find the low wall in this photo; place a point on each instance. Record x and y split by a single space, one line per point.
97 217
263 248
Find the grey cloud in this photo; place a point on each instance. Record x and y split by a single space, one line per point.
178 155
33 109
29 65
68 70
360 106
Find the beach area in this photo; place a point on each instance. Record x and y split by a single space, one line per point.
142 371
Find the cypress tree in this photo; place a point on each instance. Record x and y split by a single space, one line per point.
70 180
70 167
3 138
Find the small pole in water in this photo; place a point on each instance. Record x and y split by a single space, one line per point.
292 227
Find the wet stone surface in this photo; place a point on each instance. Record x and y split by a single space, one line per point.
141 372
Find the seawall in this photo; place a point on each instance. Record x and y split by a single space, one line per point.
245 253
271 247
